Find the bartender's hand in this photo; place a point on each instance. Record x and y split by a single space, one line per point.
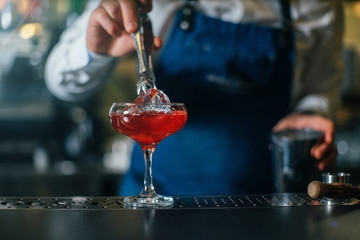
110 25
324 150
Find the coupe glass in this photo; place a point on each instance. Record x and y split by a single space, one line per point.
148 124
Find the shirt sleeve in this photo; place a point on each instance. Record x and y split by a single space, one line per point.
318 71
72 72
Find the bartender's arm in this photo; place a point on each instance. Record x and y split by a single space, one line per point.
90 48
319 81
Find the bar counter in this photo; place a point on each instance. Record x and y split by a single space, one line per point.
273 216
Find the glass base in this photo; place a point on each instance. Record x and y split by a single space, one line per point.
156 201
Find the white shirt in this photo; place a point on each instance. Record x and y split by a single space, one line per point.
73 74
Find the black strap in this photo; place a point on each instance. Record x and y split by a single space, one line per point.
286 15
286 23
188 12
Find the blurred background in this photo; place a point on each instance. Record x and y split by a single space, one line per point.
52 148
49 147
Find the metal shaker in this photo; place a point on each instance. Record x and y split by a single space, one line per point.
293 165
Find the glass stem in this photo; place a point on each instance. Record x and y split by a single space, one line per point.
148 189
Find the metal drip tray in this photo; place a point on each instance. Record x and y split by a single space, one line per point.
257 201
181 202
61 203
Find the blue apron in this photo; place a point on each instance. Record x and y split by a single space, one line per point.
235 81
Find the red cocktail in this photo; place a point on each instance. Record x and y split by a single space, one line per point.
148 128
148 125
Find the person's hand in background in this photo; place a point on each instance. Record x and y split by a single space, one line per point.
325 150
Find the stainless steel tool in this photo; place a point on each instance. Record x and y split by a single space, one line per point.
143 40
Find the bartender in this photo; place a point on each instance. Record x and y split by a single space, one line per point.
243 69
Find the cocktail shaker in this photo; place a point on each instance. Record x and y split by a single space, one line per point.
293 165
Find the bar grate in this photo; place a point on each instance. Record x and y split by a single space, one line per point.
181 202
248 201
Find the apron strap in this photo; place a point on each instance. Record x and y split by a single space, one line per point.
286 15
188 12
286 23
